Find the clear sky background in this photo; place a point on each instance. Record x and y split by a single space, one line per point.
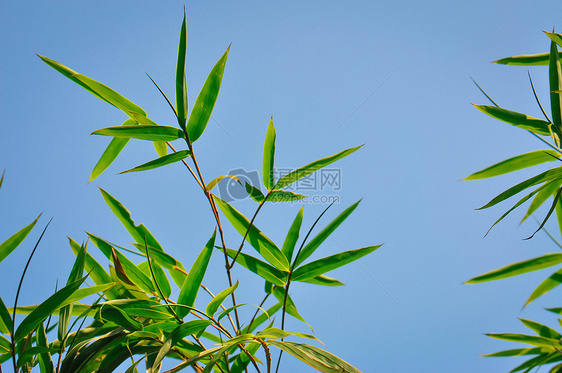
310 65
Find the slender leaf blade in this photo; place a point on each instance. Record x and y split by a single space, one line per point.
527 122
162 161
324 281
206 100
544 287
194 279
321 266
181 80
284 196
16 239
540 329
539 59
255 193
260 268
5 319
142 132
312 167
268 174
215 303
516 163
555 81
528 339
293 235
515 269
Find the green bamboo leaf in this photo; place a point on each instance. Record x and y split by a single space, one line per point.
181 81
206 100
217 180
284 196
268 174
111 96
527 122
516 163
242 360
44 359
263 317
225 313
518 352
528 339
311 247
174 267
555 80
162 161
290 306
111 152
312 167
554 173
119 317
142 132
259 241
75 274
543 194
70 74
529 265
223 352
260 268
5 319
321 266
276 333
5 345
160 277
11 243
138 232
255 193
215 303
45 309
315 357
544 287
182 331
190 288
147 308
324 281
292 236
557 38
540 59
540 329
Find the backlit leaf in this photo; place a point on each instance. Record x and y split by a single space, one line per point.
217 180
529 265
527 122
16 239
284 196
292 236
523 338
260 268
142 132
268 174
540 59
181 81
544 287
555 80
206 100
162 161
215 303
312 167
516 163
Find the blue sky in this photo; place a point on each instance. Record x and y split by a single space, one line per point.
310 65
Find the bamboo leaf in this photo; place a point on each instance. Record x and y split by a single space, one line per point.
45 309
268 174
543 194
312 167
215 303
544 287
311 247
516 163
528 339
284 196
315 357
181 80
194 279
119 317
75 274
557 38
70 74
206 100
529 265
321 266
518 352
255 193
555 80
142 132
160 277
44 359
540 329
293 236
290 306
527 122
182 331
111 152
5 346
260 268
259 241
162 161
540 59
324 281
16 239
554 173
5 319
263 317
217 180
138 232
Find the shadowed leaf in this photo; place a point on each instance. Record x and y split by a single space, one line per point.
260 268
